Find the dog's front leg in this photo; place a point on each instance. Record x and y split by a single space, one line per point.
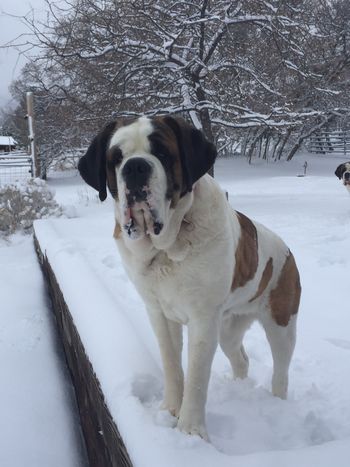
202 343
169 334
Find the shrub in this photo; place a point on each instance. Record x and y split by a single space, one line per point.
22 203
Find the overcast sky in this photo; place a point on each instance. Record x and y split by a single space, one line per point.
11 27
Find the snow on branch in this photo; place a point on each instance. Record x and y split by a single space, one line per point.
225 64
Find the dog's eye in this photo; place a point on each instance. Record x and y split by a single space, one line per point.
163 157
114 157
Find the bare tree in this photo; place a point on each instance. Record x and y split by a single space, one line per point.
266 72
194 57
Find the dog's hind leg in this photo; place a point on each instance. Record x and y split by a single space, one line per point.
282 343
233 328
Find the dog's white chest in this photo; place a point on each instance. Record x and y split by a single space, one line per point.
165 281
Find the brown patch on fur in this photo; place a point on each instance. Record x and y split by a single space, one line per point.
117 230
265 279
114 157
285 298
246 253
164 145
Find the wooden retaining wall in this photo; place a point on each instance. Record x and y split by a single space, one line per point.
104 444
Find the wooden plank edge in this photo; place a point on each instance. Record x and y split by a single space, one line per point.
104 443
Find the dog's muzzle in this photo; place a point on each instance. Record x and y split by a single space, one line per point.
140 213
136 174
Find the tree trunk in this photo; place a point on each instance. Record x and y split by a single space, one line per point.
258 135
245 140
266 149
204 117
284 142
279 137
306 135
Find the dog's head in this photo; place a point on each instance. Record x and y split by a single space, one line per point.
148 164
343 173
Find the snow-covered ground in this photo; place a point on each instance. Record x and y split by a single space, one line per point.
247 426
39 424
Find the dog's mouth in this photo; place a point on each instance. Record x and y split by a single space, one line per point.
141 218
347 182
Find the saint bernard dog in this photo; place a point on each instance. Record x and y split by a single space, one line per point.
343 173
193 259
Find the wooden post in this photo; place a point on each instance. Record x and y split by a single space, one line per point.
31 136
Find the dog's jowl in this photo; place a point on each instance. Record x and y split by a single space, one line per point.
193 259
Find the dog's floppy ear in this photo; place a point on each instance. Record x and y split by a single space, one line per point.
340 170
92 166
197 153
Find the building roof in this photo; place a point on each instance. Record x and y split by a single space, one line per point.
7 141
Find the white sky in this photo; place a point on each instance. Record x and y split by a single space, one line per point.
11 26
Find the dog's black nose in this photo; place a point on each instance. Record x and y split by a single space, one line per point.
347 176
136 173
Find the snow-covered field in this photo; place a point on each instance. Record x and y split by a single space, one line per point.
247 426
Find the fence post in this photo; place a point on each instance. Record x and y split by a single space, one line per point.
33 150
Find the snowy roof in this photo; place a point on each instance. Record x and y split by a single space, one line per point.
7 141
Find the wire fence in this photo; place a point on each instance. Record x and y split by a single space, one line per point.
15 166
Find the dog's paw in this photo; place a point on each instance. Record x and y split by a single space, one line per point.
165 418
190 428
280 387
172 408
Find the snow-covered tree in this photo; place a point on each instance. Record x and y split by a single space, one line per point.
267 72
210 60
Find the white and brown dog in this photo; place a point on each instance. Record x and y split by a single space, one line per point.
343 173
193 259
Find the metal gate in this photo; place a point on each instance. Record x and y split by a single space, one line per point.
330 142
15 166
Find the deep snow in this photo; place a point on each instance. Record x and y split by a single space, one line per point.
39 424
247 426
